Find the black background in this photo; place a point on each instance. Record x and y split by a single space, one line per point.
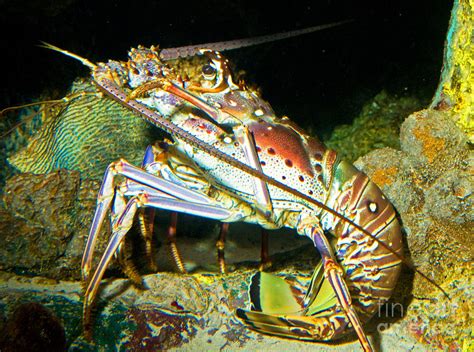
320 79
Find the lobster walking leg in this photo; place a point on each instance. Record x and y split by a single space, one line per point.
123 225
220 245
171 239
335 275
145 219
107 193
265 261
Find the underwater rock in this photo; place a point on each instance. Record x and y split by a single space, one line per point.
32 327
455 90
430 183
177 312
44 223
377 126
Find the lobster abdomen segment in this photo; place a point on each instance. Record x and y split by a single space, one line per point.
371 268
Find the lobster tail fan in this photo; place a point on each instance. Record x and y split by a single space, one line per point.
271 294
254 292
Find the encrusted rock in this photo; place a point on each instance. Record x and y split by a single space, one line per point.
44 223
430 183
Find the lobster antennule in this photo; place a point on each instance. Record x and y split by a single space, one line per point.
84 61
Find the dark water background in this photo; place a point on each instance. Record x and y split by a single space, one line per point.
319 79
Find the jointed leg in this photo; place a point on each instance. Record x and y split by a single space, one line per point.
143 181
123 224
171 238
265 261
220 245
335 275
145 220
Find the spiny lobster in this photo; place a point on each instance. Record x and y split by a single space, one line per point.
232 159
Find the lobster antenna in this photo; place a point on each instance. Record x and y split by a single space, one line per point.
192 50
110 89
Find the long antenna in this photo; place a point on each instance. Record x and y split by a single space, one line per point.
192 50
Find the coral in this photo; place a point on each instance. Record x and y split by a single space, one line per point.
85 132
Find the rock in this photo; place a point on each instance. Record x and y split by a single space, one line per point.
377 126
430 183
455 89
32 327
176 312
44 223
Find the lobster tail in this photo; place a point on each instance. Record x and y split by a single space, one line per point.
277 308
371 269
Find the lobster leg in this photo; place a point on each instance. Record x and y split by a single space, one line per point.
335 275
171 237
123 224
107 192
262 196
145 220
265 261
220 245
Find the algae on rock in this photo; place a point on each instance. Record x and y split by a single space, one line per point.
377 126
456 88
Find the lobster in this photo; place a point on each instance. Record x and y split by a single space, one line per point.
232 160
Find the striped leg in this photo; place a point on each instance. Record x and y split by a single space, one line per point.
220 245
139 181
171 238
123 224
335 276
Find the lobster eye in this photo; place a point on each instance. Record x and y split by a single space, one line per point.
208 72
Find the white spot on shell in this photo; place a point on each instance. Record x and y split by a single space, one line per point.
227 140
373 207
258 112
232 103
